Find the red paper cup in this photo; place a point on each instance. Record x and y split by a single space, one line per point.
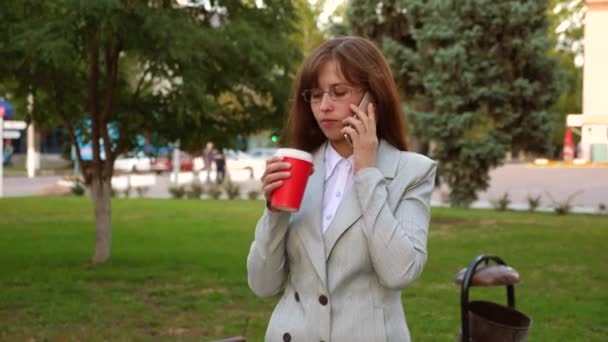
288 196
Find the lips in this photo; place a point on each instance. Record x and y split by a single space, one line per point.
329 122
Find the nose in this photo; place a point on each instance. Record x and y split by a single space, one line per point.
325 103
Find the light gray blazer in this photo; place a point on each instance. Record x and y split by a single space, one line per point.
345 285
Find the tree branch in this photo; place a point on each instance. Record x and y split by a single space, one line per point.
139 85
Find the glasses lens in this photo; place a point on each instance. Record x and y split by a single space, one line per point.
340 92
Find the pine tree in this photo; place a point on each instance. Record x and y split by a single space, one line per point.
478 78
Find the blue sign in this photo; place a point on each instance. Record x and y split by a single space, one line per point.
8 109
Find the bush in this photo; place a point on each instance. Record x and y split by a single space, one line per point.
195 190
601 209
563 207
253 194
215 191
142 190
78 189
177 191
502 203
232 190
127 192
533 202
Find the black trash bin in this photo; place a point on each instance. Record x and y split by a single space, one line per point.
497 323
483 321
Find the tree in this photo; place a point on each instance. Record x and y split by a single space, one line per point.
108 70
567 25
478 78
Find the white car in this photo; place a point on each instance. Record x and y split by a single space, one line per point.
262 152
132 162
239 160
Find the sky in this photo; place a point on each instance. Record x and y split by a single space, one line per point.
330 6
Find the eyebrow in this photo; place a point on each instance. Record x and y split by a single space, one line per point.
336 84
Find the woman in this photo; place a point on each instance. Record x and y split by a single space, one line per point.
360 236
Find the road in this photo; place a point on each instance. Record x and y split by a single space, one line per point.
588 186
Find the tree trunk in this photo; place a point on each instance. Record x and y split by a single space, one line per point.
100 194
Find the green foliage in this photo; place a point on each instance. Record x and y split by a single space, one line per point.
142 190
78 189
233 190
214 191
195 190
177 191
253 194
501 203
476 75
566 29
601 208
110 70
149 66
563 206
533 202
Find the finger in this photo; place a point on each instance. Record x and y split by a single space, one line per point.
357 124
360 113
371 109
268 189
352 133
273 159
273 177
275 167
274 172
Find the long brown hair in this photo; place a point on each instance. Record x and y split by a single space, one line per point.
362 64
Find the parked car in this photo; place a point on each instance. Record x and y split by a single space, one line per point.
239 160
132 162
164 163
262 152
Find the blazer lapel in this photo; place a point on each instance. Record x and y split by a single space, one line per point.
309 231
349 210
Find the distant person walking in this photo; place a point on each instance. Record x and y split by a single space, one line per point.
208 157
8 153
220 168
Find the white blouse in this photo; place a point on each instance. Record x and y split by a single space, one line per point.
339 175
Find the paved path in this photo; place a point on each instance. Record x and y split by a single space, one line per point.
518 180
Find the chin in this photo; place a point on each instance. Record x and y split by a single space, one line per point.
336 138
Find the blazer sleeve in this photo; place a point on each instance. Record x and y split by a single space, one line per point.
397 240
266 262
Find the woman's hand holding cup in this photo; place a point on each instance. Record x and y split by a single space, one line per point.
276 171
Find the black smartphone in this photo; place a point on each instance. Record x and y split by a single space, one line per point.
363 106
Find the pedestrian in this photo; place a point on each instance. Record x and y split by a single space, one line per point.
360 236
7 153
220 168
208 157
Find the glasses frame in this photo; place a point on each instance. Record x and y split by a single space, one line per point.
307 93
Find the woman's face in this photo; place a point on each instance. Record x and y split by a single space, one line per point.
330 101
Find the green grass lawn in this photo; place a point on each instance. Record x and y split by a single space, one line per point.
178 272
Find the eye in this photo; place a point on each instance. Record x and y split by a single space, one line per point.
340 91
316 93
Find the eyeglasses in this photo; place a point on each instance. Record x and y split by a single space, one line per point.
338 93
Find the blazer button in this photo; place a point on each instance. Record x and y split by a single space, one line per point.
286 337
297 296
323 300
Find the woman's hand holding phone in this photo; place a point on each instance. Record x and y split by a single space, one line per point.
361 128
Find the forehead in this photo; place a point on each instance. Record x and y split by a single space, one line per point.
330 73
